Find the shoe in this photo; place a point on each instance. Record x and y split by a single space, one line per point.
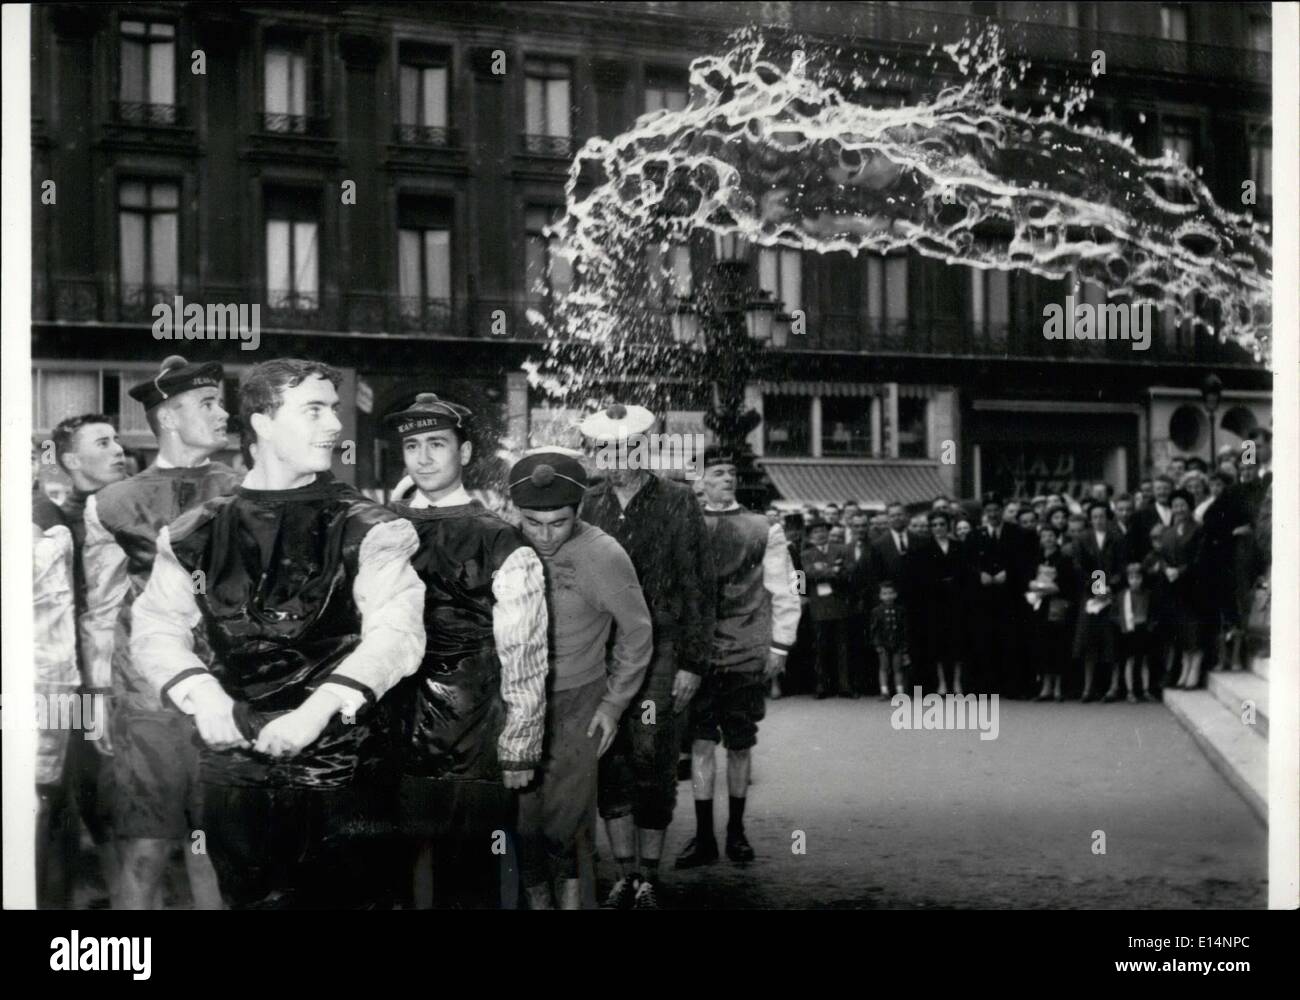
1131 698
1043 697
849 694
698 853
624 893
738 849
882 697
1087 697
821 695
645 896
1110 696
1146 696
1059 697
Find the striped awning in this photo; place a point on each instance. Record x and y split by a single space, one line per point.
873 482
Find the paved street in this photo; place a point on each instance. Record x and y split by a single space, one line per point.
943 819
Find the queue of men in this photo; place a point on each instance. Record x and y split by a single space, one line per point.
328 702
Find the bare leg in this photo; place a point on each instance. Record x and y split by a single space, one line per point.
422 877
703 768
1089 669
1194 669
143 861
956 679
203 881
942 676
738 773
622 842
651 843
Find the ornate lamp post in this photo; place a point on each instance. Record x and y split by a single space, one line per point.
728 325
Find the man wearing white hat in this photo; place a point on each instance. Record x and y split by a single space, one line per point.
659 524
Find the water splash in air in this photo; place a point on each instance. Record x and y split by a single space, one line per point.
785 144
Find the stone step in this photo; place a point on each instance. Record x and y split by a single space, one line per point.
1237 751
1234 689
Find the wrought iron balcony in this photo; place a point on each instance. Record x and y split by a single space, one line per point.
136 302
423 315
294 310
438 136
143 113
316 126
558 146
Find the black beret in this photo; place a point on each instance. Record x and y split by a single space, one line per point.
427 413
546 480
176 375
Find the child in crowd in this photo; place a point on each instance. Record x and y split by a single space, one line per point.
1153 568
1133 618
888 634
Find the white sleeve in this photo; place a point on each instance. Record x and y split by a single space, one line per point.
778 579
104 569
390 599
519 624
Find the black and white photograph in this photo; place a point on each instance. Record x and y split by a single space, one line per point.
651 456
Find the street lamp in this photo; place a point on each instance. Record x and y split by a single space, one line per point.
685 322
760 311
1211 393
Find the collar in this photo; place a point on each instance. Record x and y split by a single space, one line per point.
456 498
162 463
734 505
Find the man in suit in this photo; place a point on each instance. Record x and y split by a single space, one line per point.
860 651
827 572
1004 564
1156 512
892 559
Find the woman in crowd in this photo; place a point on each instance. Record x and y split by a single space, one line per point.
943 571
1055 589
962 528
1058 518
1181 543
1218 544
1198 486
1099 555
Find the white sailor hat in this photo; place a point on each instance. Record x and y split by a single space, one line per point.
617 423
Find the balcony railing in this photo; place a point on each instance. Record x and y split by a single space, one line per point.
439 136
559 146
136 302
143 113
314 125
423 315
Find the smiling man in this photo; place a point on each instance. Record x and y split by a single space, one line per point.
155 762
304 592
465 730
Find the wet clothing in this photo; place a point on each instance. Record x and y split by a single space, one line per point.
638 774
663 533
303 588
728 709
757 606
54 631
476 705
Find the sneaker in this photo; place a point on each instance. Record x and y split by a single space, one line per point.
698 853
738 848
624 893
645 898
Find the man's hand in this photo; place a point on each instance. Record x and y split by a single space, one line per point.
518 779
685 684
1000 577
214 716
985 579
775 665
1171 573
293 732
104 745
608 726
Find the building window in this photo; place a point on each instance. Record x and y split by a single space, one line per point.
1173 22
913 439
887 291
547 273
547 107
787 423
669 271
57 395
147 74
990 300
1178 136
1261 163
292 250
1261 33
148 241
286 101
423 104
846 426
665 88
780 273
424 265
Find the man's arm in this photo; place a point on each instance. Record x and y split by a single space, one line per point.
389 596
616 590
163 619
696 578
778 572
519 623
107 584
54 617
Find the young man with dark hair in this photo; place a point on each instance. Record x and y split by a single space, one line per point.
303 590
592 590
466 729
154 755
661 527
755 629
87 449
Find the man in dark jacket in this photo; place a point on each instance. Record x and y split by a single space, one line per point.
468 725
828 579
1004 561
660 526
893 558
